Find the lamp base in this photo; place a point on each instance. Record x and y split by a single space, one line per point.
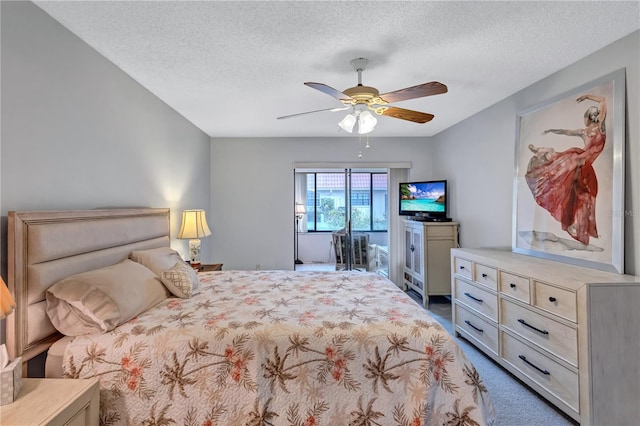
194 252
299 262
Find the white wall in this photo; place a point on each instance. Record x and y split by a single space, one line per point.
478 154
79 133
252 192
316 247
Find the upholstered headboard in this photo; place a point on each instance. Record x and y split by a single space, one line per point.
46 246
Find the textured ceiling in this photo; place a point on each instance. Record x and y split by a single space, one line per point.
232 67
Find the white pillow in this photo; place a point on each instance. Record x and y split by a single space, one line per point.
98 301
157 259
181 280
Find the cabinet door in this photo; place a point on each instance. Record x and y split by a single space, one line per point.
408 244
417 251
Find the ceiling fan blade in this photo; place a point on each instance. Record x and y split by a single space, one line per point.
311 112
419 91
407 114
329 91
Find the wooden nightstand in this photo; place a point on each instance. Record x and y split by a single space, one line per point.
210 267
72 402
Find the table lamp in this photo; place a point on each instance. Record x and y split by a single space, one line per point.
7 305
194 226
10 371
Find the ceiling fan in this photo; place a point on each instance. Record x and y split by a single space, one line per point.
363 98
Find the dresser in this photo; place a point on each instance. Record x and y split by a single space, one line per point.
427 249
569 332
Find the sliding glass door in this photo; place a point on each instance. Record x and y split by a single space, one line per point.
347 207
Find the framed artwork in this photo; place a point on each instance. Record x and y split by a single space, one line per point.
569 176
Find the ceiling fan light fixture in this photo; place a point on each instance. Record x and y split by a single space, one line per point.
366 122
347 123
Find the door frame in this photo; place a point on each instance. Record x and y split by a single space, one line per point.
397 172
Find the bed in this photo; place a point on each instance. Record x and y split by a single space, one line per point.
247 347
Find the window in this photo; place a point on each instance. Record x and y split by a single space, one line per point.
325 198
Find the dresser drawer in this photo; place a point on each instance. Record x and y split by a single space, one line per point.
556 300
557 379
81 418
486 275
477 328
559 339
477 299
515 286
462 267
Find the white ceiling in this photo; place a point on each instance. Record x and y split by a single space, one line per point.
232 67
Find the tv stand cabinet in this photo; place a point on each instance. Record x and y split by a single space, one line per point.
569 332
427 250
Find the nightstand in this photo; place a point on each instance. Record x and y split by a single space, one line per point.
72 402
210 267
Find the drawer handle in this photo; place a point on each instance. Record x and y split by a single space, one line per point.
524 358
552 299
474 298
461 267
512 285
484 275
523 322
479 330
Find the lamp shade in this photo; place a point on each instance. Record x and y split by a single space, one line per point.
300 209
347 123
194 225
366 122
7 305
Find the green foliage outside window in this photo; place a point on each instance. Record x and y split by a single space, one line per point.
325 210
360 219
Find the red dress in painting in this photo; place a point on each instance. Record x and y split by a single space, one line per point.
565 184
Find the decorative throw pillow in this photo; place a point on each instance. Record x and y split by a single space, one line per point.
181 280
98 301
158 259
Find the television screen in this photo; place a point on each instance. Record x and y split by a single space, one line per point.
426 199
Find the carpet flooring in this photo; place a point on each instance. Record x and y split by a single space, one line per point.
516 404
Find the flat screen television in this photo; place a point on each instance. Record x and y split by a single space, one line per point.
425 200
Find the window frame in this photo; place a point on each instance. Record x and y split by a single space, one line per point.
312 224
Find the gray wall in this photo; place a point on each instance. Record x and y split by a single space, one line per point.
252 190
79 133
479 153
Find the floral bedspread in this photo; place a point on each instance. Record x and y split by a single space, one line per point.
283 348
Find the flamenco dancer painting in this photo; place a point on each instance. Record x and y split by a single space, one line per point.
565 184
